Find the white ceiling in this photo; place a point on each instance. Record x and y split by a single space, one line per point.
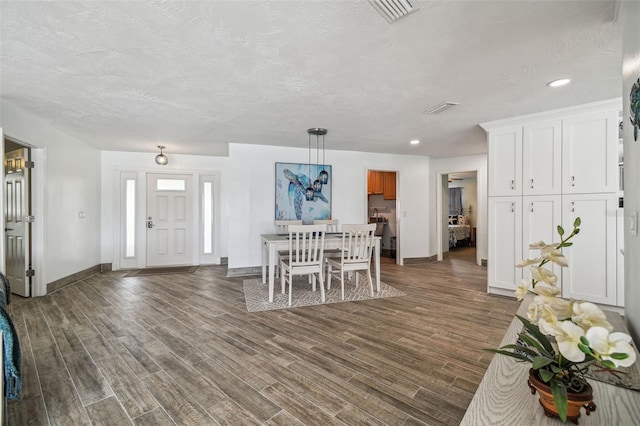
197 75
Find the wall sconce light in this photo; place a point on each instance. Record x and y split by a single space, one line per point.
162 159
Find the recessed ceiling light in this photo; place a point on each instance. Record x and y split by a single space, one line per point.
558 83
414 142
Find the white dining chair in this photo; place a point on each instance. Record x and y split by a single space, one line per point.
305 257
332 224
282 226
357 247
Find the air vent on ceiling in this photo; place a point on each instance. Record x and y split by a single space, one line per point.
392 10
441 107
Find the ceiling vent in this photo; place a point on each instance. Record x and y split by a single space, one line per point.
441 107
392 10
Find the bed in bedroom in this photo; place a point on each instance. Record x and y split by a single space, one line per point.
459 231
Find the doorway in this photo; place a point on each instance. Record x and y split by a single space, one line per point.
381 210
459 216
17 216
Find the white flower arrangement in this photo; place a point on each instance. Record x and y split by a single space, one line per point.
563 337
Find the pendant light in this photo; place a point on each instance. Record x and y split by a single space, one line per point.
161 158
324 175
309 193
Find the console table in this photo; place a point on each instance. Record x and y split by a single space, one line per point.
503 397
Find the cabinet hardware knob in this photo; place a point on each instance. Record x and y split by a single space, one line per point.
573 204
513 184
532 206
573 181
532 183
512 207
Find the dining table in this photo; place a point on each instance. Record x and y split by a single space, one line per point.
272 243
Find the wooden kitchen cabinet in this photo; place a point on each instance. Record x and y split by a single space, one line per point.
389 185
375 185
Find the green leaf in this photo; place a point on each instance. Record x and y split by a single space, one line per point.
546 375
584 340
556 369
608 364
534 344
577 222
535 331
560 230
560 397
511 354
569 244
577 231
524 349
541 361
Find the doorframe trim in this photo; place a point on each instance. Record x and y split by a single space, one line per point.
439 217
142 197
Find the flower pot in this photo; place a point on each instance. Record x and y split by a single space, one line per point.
575 400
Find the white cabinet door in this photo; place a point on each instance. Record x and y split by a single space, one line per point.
591 274
542 158
505 162
589 153
541 215
505 243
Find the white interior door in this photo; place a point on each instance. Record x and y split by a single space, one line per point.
169 220
16 208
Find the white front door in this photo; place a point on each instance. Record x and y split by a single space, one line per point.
169 220
16 210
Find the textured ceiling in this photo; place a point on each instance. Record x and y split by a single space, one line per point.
197 75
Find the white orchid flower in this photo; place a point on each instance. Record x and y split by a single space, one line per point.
528 262
550 326
545 289
556 307
543 274
554 255
522 289
605 344
568 341
537 245
588 315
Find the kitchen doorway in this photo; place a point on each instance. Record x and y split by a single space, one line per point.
381 210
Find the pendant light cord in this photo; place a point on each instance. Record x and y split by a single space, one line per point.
309 164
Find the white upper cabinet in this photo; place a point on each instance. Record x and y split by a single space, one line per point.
505 162
590 153
541 158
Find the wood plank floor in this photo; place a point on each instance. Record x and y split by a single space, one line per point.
182 349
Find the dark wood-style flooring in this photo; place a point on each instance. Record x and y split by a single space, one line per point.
182 349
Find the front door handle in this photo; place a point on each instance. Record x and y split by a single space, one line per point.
149 223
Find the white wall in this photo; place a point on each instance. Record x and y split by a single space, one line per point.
630 12
114 162
70 184
462 164
251 190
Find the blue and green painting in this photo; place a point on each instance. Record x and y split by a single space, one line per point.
292 181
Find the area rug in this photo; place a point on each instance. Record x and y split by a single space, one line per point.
163 271
256 294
